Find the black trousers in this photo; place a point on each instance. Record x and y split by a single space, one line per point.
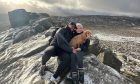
69 61
64 63
63 57
76 61
49 52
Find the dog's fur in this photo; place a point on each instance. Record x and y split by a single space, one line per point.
80 39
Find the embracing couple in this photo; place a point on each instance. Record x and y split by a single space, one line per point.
70 53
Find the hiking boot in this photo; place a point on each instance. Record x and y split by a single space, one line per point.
68 76
81 75
42 70
52 80
74 76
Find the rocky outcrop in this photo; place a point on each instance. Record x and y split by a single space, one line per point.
23 62
41 25
102 74
96 48
37 27
18 18
111 60
105 55
96 73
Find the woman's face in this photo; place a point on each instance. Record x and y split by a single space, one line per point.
79 29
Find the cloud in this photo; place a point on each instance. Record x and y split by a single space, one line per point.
76 7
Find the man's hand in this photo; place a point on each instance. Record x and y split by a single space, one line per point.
78 49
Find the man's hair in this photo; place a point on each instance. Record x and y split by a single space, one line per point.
79 24
72 23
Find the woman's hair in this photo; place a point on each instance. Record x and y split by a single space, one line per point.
79 24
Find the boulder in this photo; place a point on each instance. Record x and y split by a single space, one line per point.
111 59
102 74
51 31
96 48
41 25
21 36
33 15
18 18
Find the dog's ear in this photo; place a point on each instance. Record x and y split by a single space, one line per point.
88 33
84 35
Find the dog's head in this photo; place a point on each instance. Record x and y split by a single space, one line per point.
87 34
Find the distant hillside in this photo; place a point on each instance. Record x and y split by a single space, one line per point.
101 20
4 22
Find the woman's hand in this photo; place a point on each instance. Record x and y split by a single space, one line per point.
78 49
74 50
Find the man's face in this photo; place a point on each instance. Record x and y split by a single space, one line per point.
72 27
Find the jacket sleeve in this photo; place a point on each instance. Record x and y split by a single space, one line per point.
62 42
85 46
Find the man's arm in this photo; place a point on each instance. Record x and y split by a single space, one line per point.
62 42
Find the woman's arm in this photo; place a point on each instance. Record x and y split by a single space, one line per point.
85 46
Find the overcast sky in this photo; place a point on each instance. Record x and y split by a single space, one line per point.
75 7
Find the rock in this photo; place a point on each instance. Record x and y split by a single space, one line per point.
102 74
5 45
44 15
36 49
33 15
23 60
95 73
51 31
96 48
18 18
21 36
111 60
37 27
41 25
8 37
27 31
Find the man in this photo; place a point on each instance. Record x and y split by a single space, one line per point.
59 44
73 61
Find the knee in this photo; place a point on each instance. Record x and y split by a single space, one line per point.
46 55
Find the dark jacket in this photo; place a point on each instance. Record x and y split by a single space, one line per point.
85 46
62 39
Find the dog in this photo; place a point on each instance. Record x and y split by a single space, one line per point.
78 40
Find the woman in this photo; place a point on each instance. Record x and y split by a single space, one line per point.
77 59
71 61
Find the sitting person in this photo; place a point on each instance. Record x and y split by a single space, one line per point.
77 59
60 43
72 60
